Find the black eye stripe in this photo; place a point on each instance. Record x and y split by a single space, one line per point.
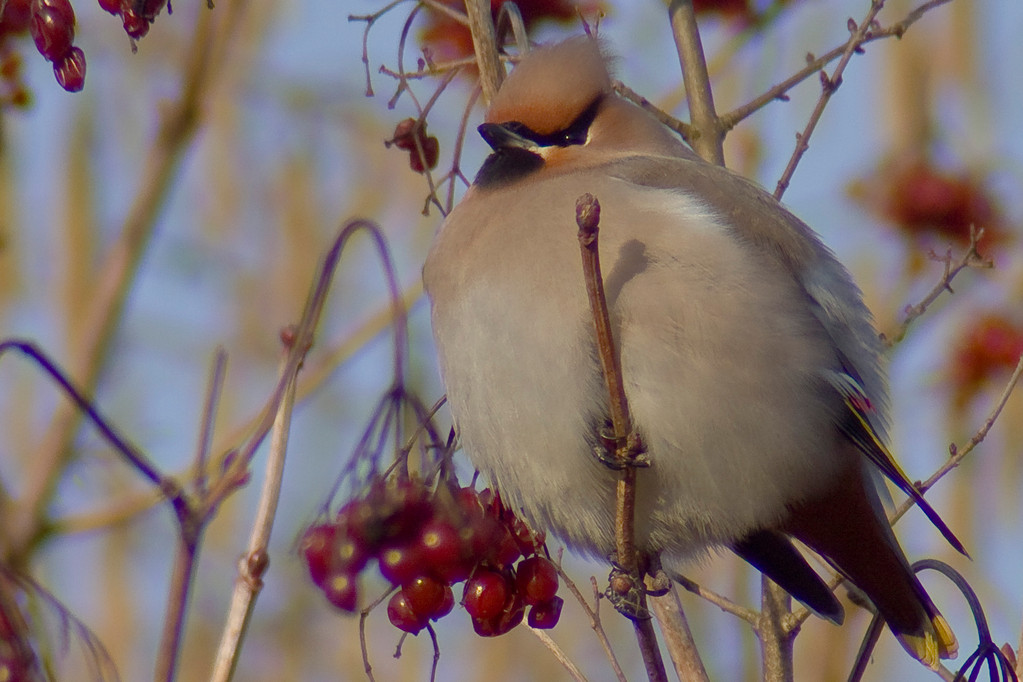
574 134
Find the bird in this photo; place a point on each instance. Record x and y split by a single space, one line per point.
751 364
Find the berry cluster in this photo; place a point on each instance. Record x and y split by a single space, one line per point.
406 134
136 15
52 25
424 541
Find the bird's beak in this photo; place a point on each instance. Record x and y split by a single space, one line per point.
502 136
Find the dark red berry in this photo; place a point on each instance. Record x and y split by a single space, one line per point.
536 580
402 615
445 551
317 547
350 554
400 564
529 541
135 25
52 28
446 604
342 590
16 16
70 71
545 616
503 550
111 6
424 595
428 159
504 622
486 595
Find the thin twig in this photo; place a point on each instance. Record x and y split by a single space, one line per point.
779 92
718 600
970 259
684 130
829 84
252 566
594 616
628 446
563 659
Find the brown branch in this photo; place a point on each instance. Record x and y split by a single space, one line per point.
718 600
628 446
704 119
814 65
252 566
829 84
684 130
775 637
484 43
678 638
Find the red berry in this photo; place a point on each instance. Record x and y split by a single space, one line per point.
150 8
400 564
504 550
349 553
342 590
112 6
529 541
446 604
503 622
402 615
431 151
317 546
545 616
52 28
135 25
70 71
15 18
536 580
445 551
486 595
425 595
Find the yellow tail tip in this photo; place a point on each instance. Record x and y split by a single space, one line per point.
932 645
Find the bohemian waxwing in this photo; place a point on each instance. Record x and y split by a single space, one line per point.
751 366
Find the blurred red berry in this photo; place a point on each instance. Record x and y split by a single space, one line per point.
445 551
536 579
922 199
546 615
16 17
403 616
317 546
990 346
111 6
406 134
342 590
486 594
400 564
53 28
135 25
70 71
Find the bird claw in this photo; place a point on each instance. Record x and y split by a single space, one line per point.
626 592
618 457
